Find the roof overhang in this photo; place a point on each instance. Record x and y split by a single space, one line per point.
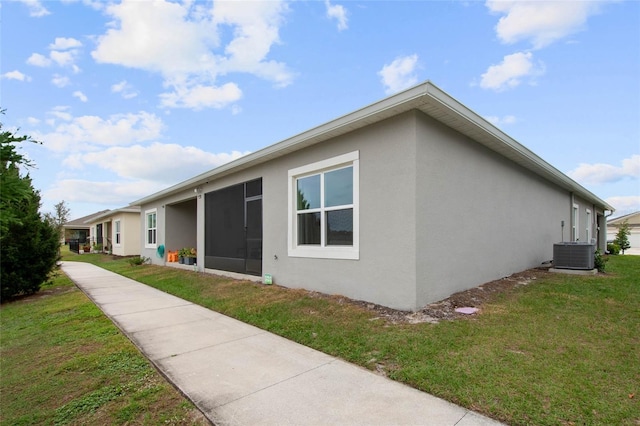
109 214
425 97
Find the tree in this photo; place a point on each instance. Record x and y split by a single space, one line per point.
622 237
59 217
28 242
13 188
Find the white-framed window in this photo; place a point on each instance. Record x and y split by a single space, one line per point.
324 209
117 232
150 228
575 226
588 230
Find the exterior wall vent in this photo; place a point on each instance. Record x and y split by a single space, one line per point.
573 255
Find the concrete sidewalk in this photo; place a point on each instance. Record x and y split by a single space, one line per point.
237 374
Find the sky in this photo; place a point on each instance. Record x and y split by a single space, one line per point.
131 97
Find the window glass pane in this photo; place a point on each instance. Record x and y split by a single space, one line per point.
309 192
338 187
151 220
309 228
340 227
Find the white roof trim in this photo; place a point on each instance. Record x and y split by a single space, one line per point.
425 97
110 213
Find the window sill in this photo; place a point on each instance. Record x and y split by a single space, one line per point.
325 253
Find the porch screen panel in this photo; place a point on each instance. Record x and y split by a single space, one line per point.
254 236
224 229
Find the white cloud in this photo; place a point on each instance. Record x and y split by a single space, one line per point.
192 63
399 74
63 52
337 12
600 173
86 132
255 30
78 94
62 43
199 97
125 89
16 75
38 60
36 9
166 163
94 4
498 121
624 204
60 112
60 80
118 193
510 73
62 58
140 38
541 22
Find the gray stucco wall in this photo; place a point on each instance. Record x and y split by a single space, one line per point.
178 209
385 272
480 216
183 230
583 219
439 213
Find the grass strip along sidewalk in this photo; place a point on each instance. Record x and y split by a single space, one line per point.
63 362
560 350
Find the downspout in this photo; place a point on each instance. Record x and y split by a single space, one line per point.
572 201
605 227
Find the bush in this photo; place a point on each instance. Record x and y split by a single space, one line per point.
29 244
599 261
29 253
138 260
613 248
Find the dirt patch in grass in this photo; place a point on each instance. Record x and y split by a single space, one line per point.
41 294
446 309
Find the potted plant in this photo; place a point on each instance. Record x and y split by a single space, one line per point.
182 253
190 256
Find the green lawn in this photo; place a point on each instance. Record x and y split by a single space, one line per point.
561 350
63 362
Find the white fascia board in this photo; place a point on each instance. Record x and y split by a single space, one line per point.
378 111
110 213
622 218
425 97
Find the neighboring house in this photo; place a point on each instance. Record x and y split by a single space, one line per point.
118 231
400 203
77 231
633 220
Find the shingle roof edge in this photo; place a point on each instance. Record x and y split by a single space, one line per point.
417 97
128 209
